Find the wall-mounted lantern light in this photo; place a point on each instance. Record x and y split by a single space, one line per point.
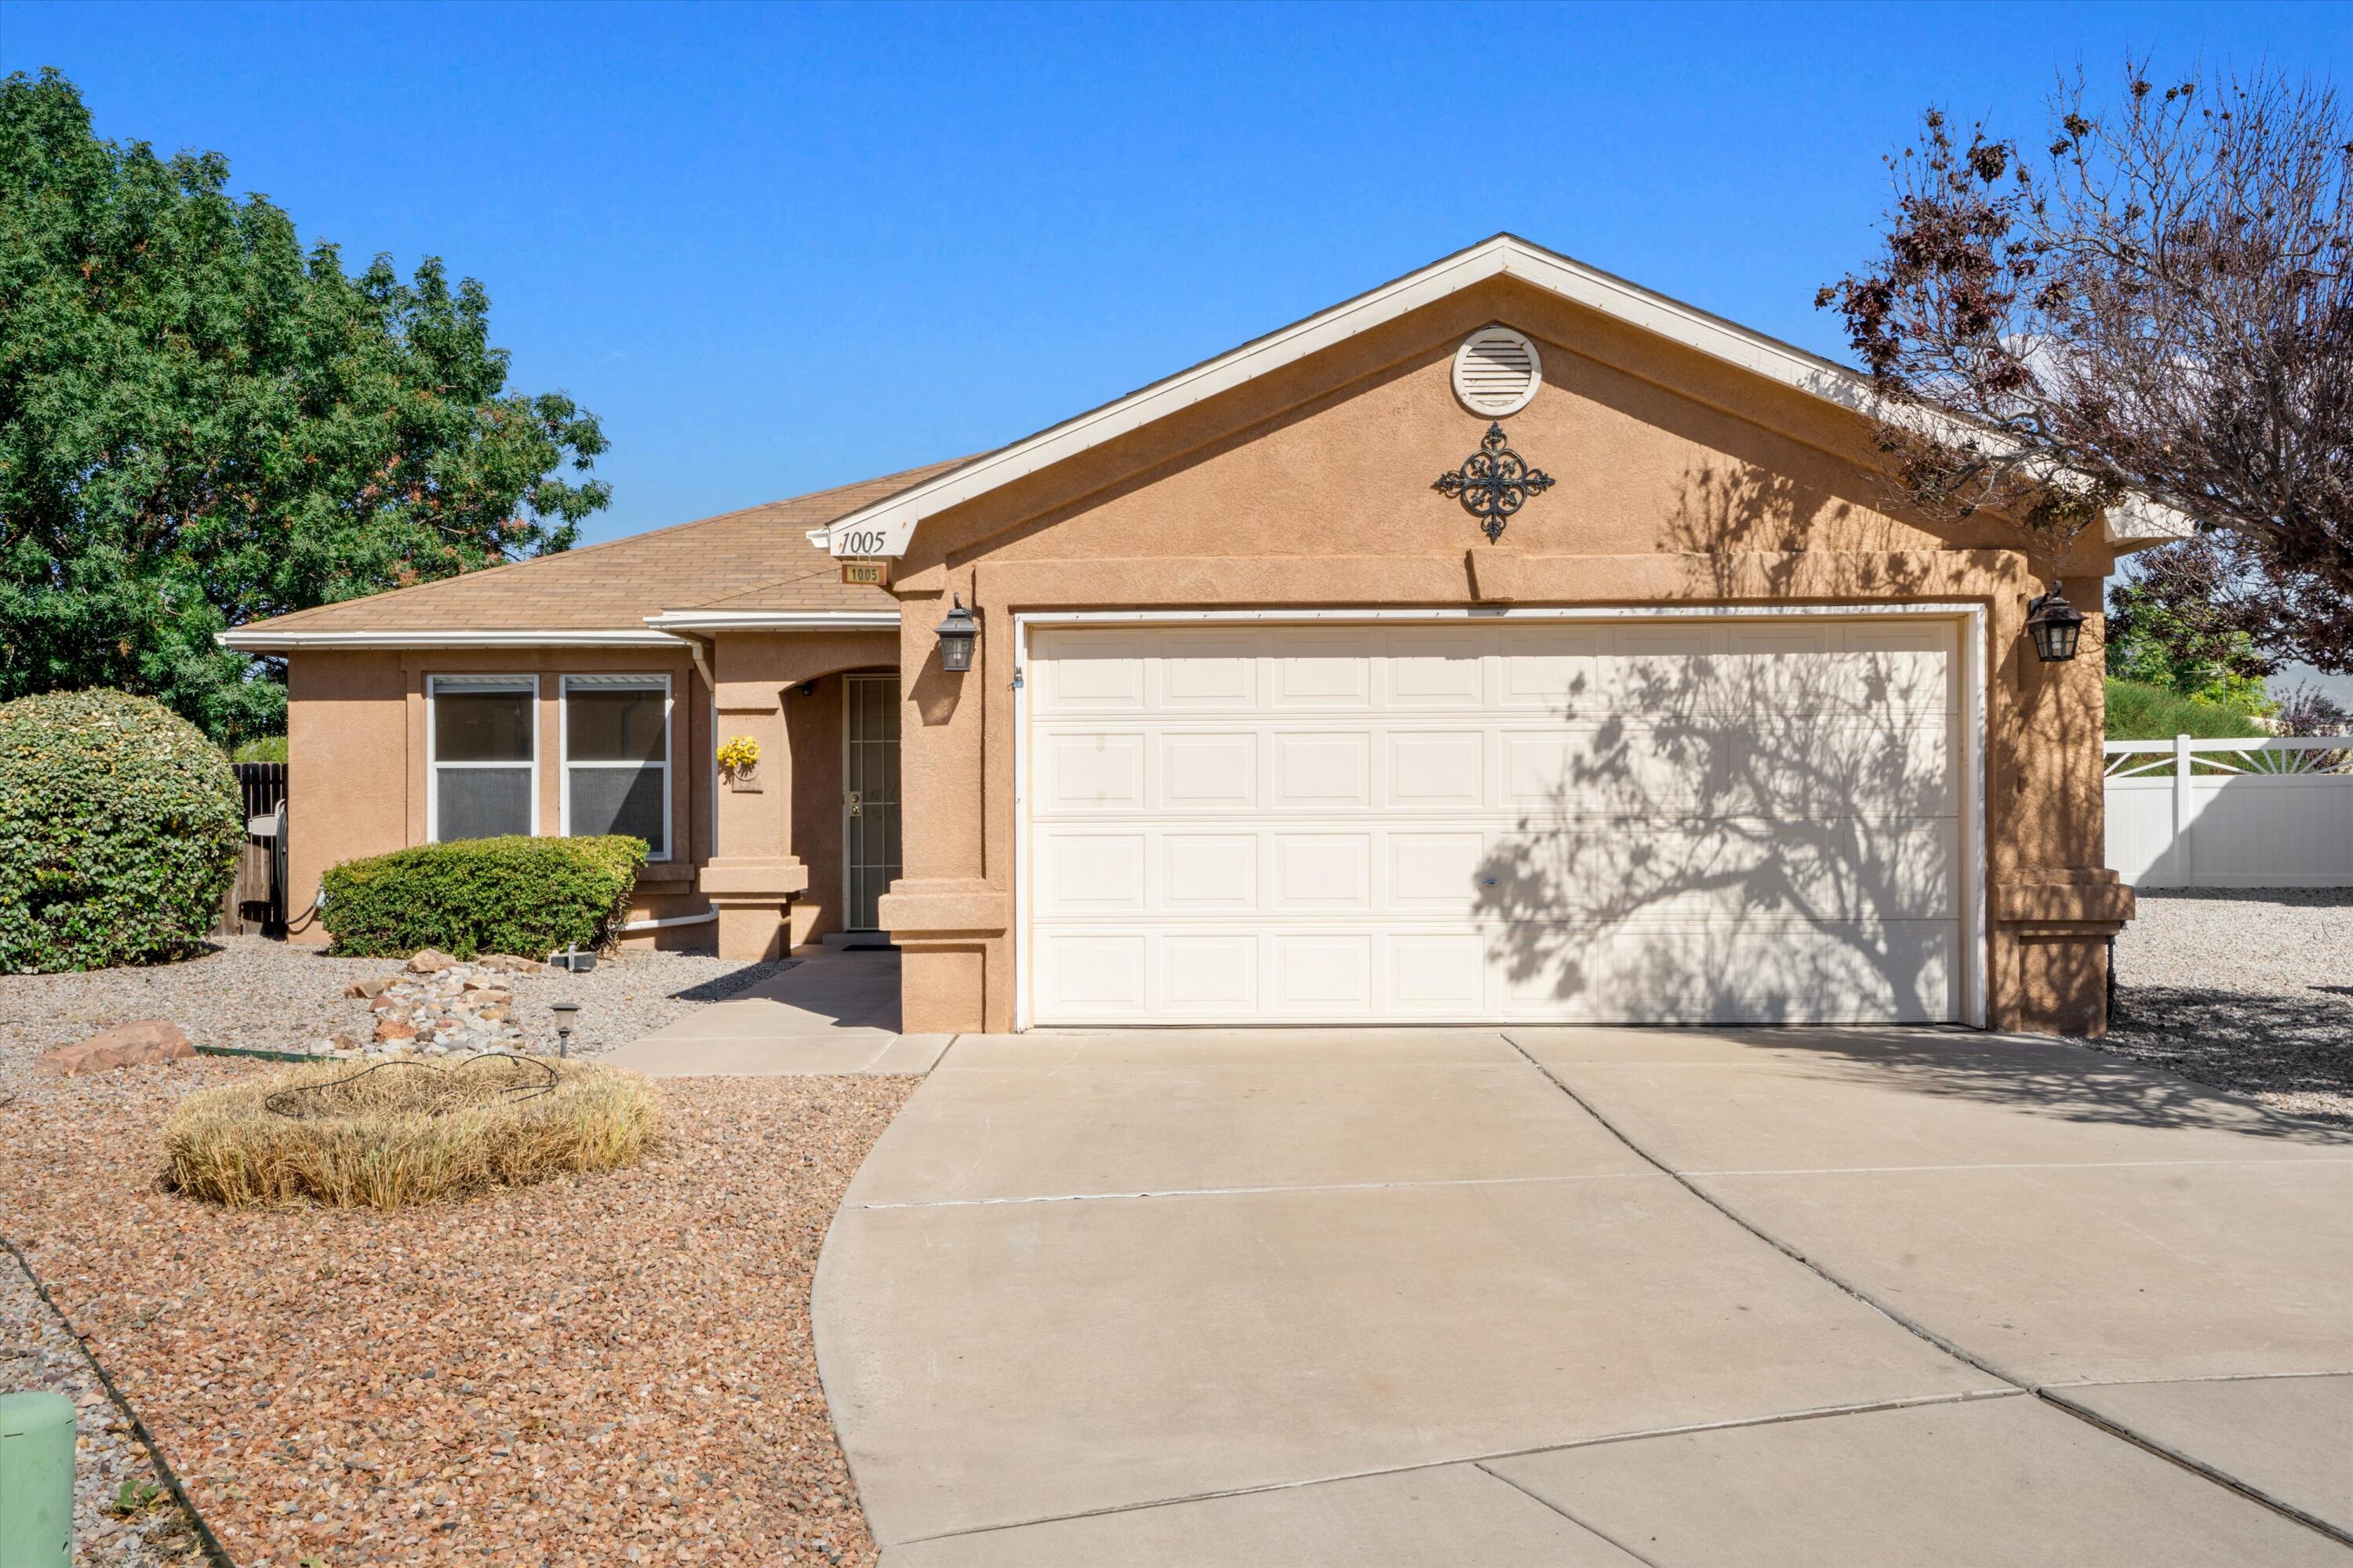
957 633
2054 625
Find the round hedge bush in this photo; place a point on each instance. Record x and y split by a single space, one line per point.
120 830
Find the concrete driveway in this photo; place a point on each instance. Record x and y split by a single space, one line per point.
1590 1297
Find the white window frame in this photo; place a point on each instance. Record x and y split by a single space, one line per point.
625 681
434 684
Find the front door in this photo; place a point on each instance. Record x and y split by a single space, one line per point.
870 768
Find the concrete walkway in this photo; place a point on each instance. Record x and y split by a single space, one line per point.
835 1011
1590 1297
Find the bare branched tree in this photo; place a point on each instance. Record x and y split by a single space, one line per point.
2155 304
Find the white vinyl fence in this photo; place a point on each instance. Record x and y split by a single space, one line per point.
2276 812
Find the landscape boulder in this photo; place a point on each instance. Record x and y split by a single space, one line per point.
124 1045
430 960
365 987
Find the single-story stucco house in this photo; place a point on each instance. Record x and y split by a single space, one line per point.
1507 643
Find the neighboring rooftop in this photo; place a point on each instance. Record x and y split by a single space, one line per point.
759 557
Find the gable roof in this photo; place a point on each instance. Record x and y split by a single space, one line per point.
884 526
758 559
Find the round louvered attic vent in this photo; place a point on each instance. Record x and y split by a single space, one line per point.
1496 372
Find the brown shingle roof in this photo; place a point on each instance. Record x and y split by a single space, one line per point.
757 558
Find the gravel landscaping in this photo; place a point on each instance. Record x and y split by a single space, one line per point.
254 994
2244 989
592 1370
38 1351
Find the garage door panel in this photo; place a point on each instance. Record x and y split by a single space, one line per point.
1208 873
1880 767
1765 973
1717 820
1209 772
1557 668
1323 872
1101 973
1434 667
1091 873
1839 869
1320 975
1435 872
1442 973
1092 772
1219 673
1212 973
1091 672
1436 769
1323 770
1329 669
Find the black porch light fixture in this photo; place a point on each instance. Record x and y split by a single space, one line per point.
2054 625
957 633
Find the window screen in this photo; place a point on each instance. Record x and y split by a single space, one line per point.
617 758
482 772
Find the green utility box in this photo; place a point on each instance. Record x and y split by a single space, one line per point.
37 1480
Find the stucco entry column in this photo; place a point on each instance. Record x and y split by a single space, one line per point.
753 873
943 913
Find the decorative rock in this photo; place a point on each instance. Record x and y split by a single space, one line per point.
510 964
429 960
458 1011
124 1045
366 988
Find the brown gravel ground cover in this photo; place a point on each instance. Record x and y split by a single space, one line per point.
2245 988
595 1370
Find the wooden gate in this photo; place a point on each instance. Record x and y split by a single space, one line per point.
255 900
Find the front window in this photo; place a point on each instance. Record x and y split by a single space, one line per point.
617 758
485 757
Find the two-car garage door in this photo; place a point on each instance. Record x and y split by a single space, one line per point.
1705 820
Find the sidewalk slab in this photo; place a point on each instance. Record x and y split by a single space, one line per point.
1011 1363
2089 1274
1444 1518
1998 1483
2290 1438
1218 1114
1856 1100
834 1012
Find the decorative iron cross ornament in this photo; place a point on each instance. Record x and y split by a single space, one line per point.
1493 483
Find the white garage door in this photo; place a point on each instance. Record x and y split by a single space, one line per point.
1698 820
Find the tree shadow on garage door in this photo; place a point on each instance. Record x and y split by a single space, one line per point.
1737 821
1764 822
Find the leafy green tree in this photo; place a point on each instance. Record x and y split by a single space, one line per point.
2188 648
201 424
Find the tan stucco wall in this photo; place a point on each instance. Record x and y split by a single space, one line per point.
1679 480
780 834
356 764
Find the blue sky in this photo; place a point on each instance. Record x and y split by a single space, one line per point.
777 248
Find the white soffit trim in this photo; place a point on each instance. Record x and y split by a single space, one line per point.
774 619
261 640
884 527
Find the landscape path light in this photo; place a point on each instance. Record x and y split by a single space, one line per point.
564 1011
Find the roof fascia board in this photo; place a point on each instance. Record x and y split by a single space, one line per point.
261 642
671 620
885 527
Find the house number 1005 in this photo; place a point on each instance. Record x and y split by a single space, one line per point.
865 542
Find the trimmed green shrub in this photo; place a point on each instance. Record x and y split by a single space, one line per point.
2139 712
520 894
120 830
261 749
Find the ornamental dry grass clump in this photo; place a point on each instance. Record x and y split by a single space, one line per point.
406 1132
